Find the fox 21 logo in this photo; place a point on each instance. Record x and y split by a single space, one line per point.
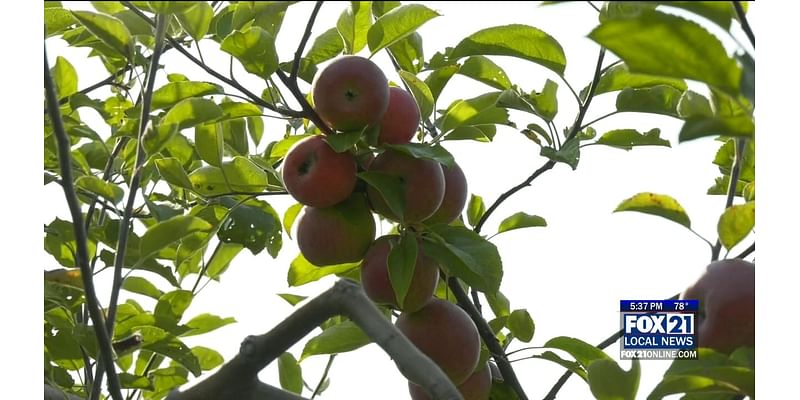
658 331
662 323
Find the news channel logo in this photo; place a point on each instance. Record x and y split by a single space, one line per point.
658 329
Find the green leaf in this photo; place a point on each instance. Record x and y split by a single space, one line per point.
301 271
233 110
190 112
425 151
573 366
156 137
170 231
173 92
64 77
569 153
656 204
60 242
479 133
341 142
655 100
340 338
290 216
292 299
748 81
608 381
237 175
467 255
521 41
254 224
221 259
208 358
484 70
391 188
205 323
721 13
196 20
169 7
208 139
353 25
475 209
422 94
644 42
692 104
401 262
521 325
255 49
56 20
161 342
583 352
106 190
438 78
135 284
736 223
409 53
499 304
715 379
172 171
108 29
130 381
170 307
326 46
289 373
521 220
382 7
627 139
397 24
749 191
619 77
697 127
476 111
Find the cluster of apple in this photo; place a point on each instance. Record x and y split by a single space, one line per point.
337 225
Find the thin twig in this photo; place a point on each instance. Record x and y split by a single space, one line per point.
308 111
747 251
734 180
106 351
743 20
306 35
324 376
598 119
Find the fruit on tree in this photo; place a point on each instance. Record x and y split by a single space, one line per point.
350 94
378 286
726 291
401 119
338 234
455 196
445 333
423 185
477 387
317 176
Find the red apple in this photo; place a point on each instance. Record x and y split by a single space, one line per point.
317 176
401 119
726 291
445 333
477 387
375 276
350 94
455 196
338 234
423 182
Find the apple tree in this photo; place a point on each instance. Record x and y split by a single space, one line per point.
167 193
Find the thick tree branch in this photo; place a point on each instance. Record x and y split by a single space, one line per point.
82 252
734 180
306 35
308 111
743 20
51 393
238 378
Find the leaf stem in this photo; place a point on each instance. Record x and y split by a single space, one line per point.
733 182
318 389
306 35
598 119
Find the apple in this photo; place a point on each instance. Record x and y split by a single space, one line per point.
726 291
401 119
455 196
423 182
375 276
445 333
477 387
350 94
317 176
338 234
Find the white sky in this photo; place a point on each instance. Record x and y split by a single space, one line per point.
570 276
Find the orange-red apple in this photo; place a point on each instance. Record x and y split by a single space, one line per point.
455 196
726 291
445 333
317 176
350 94
477 387
423 185
378 286
337 234
401 119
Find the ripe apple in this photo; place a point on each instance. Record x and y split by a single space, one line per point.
445 333
423 182
455 196
338 234
726 291
317 176
375 276
401 119
350 94
477 387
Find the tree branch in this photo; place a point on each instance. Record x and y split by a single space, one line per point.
238 378
307 34
308 111
82 252
743 20
733 182
747 251
51 393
